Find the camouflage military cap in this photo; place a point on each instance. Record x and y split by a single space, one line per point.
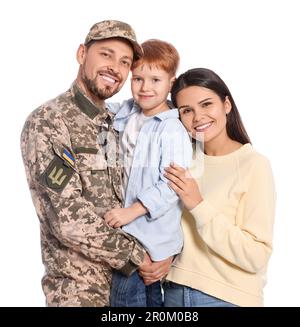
114 28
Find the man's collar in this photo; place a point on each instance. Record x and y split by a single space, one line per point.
86 105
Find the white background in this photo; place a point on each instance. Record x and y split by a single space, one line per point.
253 45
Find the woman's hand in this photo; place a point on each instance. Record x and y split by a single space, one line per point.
182 182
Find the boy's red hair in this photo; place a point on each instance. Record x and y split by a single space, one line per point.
160 54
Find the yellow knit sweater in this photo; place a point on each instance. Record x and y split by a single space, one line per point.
228 236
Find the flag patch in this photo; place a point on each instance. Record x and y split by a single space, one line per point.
68 157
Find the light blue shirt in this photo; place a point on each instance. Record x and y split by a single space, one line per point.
161 140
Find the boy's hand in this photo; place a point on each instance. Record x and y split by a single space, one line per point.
120 216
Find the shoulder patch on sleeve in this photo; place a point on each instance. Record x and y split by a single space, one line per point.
57 175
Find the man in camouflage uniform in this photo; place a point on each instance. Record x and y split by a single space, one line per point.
72 165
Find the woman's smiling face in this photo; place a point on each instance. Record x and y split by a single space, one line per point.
203 113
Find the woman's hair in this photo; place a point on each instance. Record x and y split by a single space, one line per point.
207 78
160 54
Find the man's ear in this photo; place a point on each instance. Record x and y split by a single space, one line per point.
81 54
227 105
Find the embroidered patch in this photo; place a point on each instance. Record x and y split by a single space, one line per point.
68 157
57 174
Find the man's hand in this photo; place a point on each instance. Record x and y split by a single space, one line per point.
147 261
155 271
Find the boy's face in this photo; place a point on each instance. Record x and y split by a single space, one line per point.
150 87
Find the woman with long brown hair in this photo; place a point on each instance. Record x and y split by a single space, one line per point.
229 199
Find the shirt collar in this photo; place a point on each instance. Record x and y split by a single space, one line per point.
97 114
172 113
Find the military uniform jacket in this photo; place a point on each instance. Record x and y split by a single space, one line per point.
70 153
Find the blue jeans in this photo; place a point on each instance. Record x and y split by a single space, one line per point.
176 295
132 292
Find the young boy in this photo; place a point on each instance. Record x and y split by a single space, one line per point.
151 138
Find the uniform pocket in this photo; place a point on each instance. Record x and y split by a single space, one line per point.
94 178
91 162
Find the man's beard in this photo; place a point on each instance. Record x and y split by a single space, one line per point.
91 85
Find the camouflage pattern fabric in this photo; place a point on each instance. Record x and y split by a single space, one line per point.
73 183
113 28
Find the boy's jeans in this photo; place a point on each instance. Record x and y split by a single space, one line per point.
132 292
176 295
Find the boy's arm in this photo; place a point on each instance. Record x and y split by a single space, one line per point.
175 147
121 216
